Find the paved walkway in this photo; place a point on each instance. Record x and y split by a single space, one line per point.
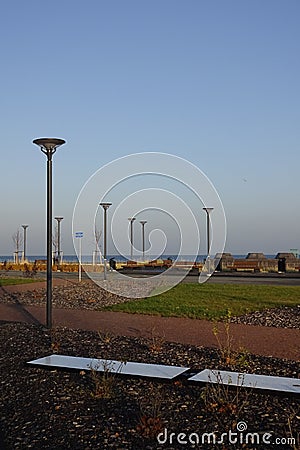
267 341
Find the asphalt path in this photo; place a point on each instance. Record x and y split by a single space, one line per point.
279 279
264 280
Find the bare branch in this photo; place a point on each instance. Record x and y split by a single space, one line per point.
17 240
55 238
97 235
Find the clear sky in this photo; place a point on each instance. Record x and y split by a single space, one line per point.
214 82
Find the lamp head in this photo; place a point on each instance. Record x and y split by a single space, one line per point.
49 144
105 205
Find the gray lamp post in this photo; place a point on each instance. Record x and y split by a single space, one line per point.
49 146
59 219
105 206
143 222
131 219
208 211
24 242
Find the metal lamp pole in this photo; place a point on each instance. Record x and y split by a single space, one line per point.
208 211
49 146
105 207
59 219
24 242
131 219
79 234
143 222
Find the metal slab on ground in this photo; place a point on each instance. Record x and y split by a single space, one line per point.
102 365
282 384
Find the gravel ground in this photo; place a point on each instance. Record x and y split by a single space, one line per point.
59 409
87 295
284 317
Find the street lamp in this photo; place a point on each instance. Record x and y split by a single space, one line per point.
208 211
105 206
49 146
24 242
131 219
143 222
59 219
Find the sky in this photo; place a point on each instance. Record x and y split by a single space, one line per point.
215 83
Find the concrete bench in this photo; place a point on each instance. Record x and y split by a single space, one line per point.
248 380
168 372
112 366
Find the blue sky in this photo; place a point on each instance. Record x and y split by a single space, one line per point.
214 82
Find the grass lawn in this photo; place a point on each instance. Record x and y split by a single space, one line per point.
212 301
11 281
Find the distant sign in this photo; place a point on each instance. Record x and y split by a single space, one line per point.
79 234
295 251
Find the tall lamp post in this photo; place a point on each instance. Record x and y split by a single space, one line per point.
24 242
131 220
59 219
143 222
105 207
49 146
208 211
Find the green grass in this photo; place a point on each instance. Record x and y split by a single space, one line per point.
212 301
11 281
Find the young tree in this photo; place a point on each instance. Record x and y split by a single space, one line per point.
97 236
18 241
55 242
